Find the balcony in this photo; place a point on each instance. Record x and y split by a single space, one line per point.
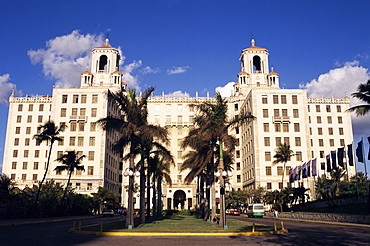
276 119
78 117
179 123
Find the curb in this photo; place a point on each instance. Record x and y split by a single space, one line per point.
176 233
41 221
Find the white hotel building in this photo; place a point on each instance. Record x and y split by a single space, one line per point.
312 126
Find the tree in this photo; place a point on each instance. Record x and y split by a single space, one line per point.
134 133
71 162
363 94
105 196
49 134
336 175
283 154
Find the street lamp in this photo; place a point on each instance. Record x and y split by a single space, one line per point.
130 173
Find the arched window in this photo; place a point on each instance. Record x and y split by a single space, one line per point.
103 60
256 64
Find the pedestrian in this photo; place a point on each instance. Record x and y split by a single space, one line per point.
273 211
276 213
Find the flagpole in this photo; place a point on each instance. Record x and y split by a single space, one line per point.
363 157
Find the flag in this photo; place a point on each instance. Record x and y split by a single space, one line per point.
308 168
291 178
333 155
328 165
314 173
359 154
304 170
340 155
298 173
350 154
368 154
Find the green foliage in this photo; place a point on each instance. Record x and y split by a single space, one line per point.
286 197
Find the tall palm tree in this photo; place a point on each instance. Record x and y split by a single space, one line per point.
71 162
336 175
363 94
132 125
49 134
283 154
212 126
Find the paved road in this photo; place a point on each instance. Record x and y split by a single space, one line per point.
55 233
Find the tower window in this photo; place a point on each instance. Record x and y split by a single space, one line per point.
103 61
256 64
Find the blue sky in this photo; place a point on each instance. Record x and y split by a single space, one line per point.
187 46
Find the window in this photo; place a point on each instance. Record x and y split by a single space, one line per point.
90 171
287 169
297 141
35 166
330 120
24 176
81 126
285 127
12 176
284 112
92 126
276 112
295 113
90 156
20 107
264 99
265 113
238 178
64 98
19 119
179 154
318 108
339 108
28 130
238 166
24 167
25 153
92 141
93 112
280 170
34 176
298 156
278 141
168 119
341 132
41 107
275 99
341 142
168 107
61 141
75 99
17 130
267 141
267 156
63 112
319 131
268 171
29 119
328 108
72 141
179 107
15 153
80 141
30 107
330 131
95 98
14 165
179 119
266 127
321 154
16 141
237 130
37 153
296 127
82 111
331 142
283 99
286 140
318 118
39 119
83 98
340 120
277 127
321 142
237 153
268 186
73 126
74 111
294 99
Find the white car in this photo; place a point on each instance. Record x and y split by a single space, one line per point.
108 212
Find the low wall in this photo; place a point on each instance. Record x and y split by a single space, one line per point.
346 218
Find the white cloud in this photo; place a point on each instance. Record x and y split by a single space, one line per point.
336 83
128 77
7 88
177 94
226 90
176 70
149 70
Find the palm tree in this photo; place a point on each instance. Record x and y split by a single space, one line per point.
211 128
283 154
363 94
104 195
135 132
71 162
49 134
336 176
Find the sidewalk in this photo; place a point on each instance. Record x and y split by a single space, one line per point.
14 222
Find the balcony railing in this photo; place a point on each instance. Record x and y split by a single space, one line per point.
281 119
78 117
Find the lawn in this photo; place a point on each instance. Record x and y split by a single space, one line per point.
180 223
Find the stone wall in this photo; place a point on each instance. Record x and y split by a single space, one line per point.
346 218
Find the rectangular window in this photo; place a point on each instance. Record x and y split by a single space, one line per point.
63 112
284 112
268 171
297 141
15 153
24 176
168 119
80 141
286 140
277 127
16 141
264 99
321 142
35 166
41 107
322 154
72 141
25 164
92 126
265 113
82 111
318 108
278 141
238 178
318 118
74 111
295 113
276 113
268 186
179 119
339 108
90 156
298 156
75 99
25 153
168 107
20 107
37 153
81 126
319 131
266 127
267 156
283 99
83 98
331 142
17 130
29 119
238 166
19 119
285 127
275 99
179 107
92 141
340 120
280 171
28 130
328 108
341 131
179 154
61 141
39 119
14 165
296 127
93 112
294 99
64 98
30 107
330 120
287 168
73 126
34 176
267 141
341 142
94 98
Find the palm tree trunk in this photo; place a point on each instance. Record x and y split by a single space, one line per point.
154 199
213 202
159 208
148 201
282 179
130 202
65 191
142 192
44 177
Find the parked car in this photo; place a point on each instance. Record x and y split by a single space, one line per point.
233 212
108 212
